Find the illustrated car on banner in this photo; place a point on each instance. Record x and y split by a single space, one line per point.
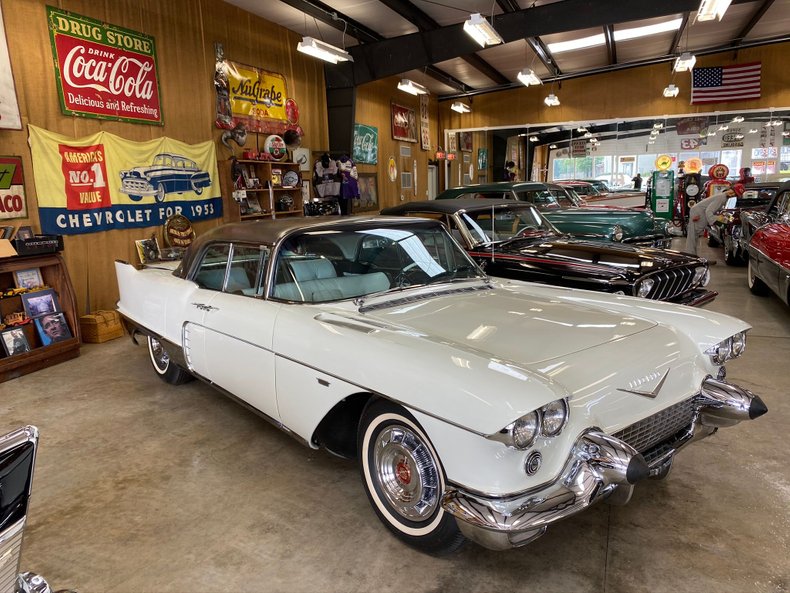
168 173
477 408
514 240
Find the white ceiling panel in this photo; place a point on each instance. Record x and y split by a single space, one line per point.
577 61
644 48
463 71
775 22
374 15
707 34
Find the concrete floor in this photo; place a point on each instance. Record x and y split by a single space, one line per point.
141 486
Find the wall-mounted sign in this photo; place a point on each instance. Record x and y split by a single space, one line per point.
425 130
691 126
579 148
9 108
719 171
482 158
392 169
102 181
663 162
365 147
692 143
104 71
404 123
693 165
12 188
732 139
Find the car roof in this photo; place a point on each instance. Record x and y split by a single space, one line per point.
498 186
453 206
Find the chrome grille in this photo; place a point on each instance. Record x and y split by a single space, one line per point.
131 184
659 427
10 551
671 283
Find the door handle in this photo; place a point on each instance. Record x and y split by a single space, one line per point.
204 307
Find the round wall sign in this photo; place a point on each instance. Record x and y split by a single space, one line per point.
275 146
178 231
719 171
663 162
291 111
693 165
392 168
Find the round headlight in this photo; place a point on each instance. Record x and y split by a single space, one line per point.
617 233
738 344
553 419
723 351
525 429
645 287
701 276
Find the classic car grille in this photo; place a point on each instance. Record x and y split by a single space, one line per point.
649 435
671 283
132 185
10 550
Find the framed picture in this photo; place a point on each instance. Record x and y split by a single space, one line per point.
6 232
14 341
148 250
301 157
466 141
253 205
24 232
40 302
52 328
368 193
28 278
405 180
404 123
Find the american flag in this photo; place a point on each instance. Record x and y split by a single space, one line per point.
725 83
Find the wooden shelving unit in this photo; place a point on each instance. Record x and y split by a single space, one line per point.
269 194
55 276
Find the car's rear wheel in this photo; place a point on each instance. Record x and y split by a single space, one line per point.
729 256
713 241
165 368
404 479
756 285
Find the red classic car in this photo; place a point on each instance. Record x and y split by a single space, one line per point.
769 251
728 231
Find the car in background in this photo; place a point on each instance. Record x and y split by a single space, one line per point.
565 196
168 173
769 250
514 240
621 225
754 219
585 189
727 230
476 408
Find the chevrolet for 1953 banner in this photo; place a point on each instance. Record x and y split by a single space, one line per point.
104 71
103 182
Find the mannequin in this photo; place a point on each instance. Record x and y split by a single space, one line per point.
325 177
349 188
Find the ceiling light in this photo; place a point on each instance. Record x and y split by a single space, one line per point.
581 129
737 119
588 134
573 44
552 100
323 51
671 91
712 133
739 136
658 125
411 87
460 107
482 31
685 62
619 35
776 122
724 127
785 134
753 130
651 141
528 77
533 138
711 9
553 146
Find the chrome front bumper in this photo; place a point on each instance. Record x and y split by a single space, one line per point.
599 466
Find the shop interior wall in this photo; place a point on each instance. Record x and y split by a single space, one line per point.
184 32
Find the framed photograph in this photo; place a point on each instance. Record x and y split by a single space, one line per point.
6 232
404 123
14 341
28 278
24 232
368 193
40 302
253 205
148 250
465 141
301 157
52 328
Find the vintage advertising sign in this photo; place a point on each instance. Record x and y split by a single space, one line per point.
365 145
12 188
9 108
579 148
425 124
104 71
103 182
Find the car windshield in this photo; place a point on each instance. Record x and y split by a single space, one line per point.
542 198
504 223
321 266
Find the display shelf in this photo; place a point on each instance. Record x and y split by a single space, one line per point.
54 274
270 195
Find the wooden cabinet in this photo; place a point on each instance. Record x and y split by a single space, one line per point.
54 275
274 190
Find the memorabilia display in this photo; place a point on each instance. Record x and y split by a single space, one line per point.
30 278
40 302
52 328
13 200
291 179
14 341
404 123
147 250
365 144
368 193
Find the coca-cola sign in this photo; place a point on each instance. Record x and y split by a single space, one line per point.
104 71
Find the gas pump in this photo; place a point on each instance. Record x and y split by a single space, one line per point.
662 188
718 180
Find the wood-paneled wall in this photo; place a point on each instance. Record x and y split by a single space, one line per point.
185 32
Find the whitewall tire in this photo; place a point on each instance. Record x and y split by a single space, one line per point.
165 368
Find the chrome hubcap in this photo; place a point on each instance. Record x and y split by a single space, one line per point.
407 473
159 354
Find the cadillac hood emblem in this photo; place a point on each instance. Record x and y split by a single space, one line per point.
651 394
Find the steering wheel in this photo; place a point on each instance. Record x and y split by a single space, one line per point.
523 231
410 274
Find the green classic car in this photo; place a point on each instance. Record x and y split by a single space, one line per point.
602 223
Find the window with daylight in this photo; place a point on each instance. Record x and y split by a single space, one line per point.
732 158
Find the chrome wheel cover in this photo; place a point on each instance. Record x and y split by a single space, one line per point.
406 472
159 355
750 274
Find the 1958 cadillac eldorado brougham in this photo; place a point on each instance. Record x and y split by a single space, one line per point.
477 408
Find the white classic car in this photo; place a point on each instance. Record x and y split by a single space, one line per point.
477 408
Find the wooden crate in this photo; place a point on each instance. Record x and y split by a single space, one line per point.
101 326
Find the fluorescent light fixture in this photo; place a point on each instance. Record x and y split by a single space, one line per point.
588 134
785 134
685 62
481 30
323 51
460 107
658 125
411 87
739 136
552 146
712 9
753 130
581 129
619 35
712 133
776 122
671 91
651 141
737 119
533 138
528 77
724 127
552 100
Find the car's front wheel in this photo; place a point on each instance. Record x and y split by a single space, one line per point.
165 368
404 479
160 193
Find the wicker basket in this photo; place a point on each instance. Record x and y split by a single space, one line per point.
101 326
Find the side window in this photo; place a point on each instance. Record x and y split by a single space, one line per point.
245 274
211 273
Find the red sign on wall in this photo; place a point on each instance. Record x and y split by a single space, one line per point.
85 173
12 188
104 71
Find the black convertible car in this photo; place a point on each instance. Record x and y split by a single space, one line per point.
514 240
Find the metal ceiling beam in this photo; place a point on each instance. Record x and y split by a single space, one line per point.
544 55
759 13
508 5
611 48
679 33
